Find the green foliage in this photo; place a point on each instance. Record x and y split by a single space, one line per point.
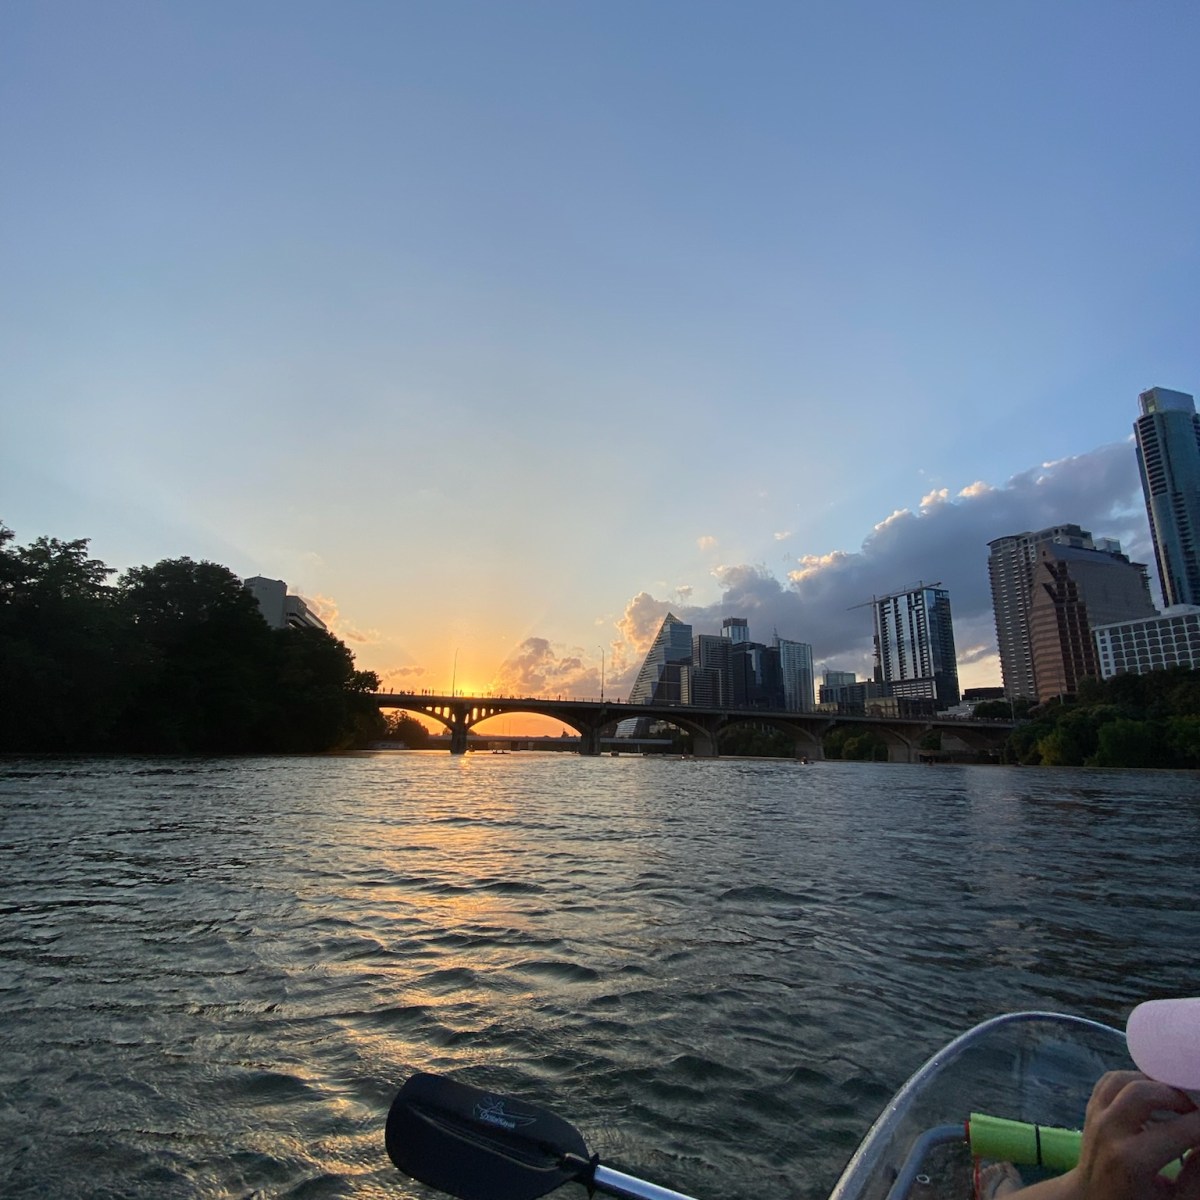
854 745
752 740
405 728
61 644
1142 721
176 658
1183 739
865 747
833 743
1126 743
681 740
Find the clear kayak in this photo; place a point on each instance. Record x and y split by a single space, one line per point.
1027 1077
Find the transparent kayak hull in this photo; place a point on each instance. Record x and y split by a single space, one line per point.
1032 1066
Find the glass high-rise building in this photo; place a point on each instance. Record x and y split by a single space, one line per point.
710 670
1074 590
736 629
914 644
663 678
796 667
1012 561
1168 452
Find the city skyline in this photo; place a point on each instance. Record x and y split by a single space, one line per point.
500 332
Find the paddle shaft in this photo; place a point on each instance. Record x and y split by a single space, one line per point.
617 1183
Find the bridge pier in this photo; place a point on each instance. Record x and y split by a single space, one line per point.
458 738
589 742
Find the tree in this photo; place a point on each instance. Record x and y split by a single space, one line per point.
203 674
404 727
865 747
324 703
175 658
1126 743
60 647
1183 739
749 739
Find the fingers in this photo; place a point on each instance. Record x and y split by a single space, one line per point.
1109 1086
1131 1117
1164 1141
1125 1101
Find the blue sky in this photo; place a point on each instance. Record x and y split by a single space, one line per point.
501 329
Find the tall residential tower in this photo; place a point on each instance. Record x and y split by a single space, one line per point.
1012 561
914 644
1073 591
1168 452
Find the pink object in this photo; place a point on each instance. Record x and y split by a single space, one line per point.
1164 1041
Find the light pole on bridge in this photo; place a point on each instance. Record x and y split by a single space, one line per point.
601 649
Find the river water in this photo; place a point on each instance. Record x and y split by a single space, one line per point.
214 973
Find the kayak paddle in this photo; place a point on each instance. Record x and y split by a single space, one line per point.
477 1145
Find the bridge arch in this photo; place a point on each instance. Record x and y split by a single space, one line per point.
592 718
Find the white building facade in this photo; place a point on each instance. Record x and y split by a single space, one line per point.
1171 639
280 610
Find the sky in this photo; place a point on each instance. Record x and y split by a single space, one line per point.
499 330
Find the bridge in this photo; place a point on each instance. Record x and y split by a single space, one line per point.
591 719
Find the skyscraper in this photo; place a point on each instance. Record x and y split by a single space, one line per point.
1011 563
1168 452
710 670
664 674
1074 590
796 667
914 644
736 629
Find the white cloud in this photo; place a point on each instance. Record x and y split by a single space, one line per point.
537 669
945 541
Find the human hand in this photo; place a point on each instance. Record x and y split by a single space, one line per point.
1124 1147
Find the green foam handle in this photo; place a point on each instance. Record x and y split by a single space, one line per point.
1031 1145
1023 1144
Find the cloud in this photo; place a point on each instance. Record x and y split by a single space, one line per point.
821 599
537 669
402 673
327 609
707 542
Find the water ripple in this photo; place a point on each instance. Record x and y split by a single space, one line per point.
214 973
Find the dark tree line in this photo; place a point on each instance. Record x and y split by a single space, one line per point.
1150 720
169 659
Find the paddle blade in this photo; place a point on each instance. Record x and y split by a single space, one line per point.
479 1146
